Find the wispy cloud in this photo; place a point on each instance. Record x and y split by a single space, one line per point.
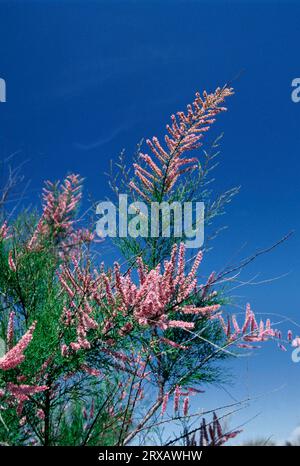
94 72
102 140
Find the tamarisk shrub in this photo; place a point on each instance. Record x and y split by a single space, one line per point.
93 353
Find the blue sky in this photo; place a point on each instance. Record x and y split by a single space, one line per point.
86 79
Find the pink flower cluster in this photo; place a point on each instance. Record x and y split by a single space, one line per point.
12 359
149 302
178 394
15 355
250 331
161 292
185 132
212 434
78 286
22 393
4 231
60 204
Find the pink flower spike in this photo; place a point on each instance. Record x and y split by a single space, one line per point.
235 325
10 330
222 322
64 350
176 398
4 231
15 356
164 404
180 324
228 330
186 406
11 262
22 392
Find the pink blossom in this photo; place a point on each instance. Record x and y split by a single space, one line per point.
64 350
157 300
180 324
109 294
177 393
164 403
235 325
213 434
60 204
11 262
184 135
186 405
22 392
76 283
4 231
10 330
250 330
158 290
15 356
40 414
201 310
132 185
